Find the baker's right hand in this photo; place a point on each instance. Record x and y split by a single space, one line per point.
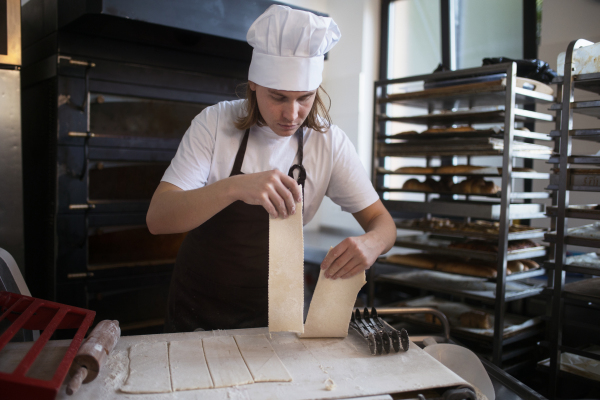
274 190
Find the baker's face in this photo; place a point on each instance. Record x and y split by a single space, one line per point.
284 111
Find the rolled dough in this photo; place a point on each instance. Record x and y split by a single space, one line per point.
148 369
286 273
261 359
331 306
188 366
225 363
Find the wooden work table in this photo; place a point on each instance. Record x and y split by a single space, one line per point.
310 362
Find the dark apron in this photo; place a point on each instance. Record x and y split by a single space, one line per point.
220 280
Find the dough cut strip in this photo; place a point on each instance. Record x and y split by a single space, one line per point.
225 363
188 366
148 369
261 359
331 306
286 273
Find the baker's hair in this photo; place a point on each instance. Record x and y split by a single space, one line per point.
317 119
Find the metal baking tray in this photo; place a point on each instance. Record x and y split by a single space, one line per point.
586 236
534 233
588 82
513 324
587 264
497 195
591 108
585 160
469 117
582 211
462 208
440 246
592 135
585 180
460 285
514 174
515 276
449 134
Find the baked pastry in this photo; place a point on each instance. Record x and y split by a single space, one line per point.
476 185
413 260
432 319
475 319
515 266
457 129
517 169
467 268
458 169
415 170
530 264
481 245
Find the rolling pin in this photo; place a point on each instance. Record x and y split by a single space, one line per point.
92 354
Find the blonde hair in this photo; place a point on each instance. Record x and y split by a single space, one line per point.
317 119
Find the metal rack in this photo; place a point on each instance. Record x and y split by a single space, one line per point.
569 177
486 96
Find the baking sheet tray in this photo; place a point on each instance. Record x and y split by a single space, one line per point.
460 285
591 135
440 246
578 365
586 235
461 208
587 180
498 195
469 117
583 211
529 234
449 134
513 324
488 172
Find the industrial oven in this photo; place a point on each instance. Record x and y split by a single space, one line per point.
109 89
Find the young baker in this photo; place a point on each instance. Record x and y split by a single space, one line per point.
231 172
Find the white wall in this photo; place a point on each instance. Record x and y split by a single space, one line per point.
350 71
562 22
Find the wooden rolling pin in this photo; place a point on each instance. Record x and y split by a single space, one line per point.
92 354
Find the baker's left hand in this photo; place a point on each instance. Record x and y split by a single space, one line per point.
351 256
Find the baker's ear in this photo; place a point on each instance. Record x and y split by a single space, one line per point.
252 86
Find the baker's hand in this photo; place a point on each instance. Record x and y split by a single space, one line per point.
274 190
351 256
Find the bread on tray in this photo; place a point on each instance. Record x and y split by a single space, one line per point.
416 170
475 319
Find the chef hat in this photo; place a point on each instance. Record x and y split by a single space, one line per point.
289 47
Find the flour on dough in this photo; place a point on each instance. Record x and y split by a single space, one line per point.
331 306
261 359
225 363
188 366
148 369
286 273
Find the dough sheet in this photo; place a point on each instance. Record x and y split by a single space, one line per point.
188 366
331 306
286 273
261 359
225 363
148 369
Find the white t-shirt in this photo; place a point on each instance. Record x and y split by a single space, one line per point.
207 152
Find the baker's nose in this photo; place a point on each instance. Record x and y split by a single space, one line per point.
290 111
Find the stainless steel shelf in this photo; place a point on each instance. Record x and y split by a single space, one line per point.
473 209
573 240
535 234
575 212
513 195
464 286
440 246
583 160
587 82
591 135
469 117
574 268
516 175
464 135
591 108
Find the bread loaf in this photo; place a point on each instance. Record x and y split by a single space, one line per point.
415 170
530 264
467 268
457 129
515 266
475 319
412 260
458 169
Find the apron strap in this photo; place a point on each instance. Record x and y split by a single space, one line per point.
299 166
239 157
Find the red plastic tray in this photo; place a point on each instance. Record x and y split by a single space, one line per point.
35 314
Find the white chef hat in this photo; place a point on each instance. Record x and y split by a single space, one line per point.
289 47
